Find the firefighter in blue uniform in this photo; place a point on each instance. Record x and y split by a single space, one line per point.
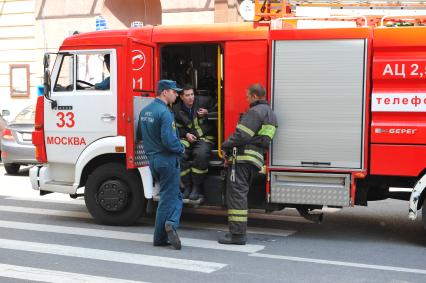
163 149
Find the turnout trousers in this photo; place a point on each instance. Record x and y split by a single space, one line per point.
236 197
194 173
167 171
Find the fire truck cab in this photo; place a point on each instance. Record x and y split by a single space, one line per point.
349 102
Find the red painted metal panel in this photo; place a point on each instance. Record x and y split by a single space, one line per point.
246 63
398 123
208 33
398 128
397 160
140 80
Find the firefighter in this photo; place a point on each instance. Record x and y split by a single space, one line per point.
245 148
195 132
163 149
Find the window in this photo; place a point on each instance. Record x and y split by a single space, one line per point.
65 80
19 80
93 71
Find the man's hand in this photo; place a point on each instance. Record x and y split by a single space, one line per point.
225 158
202 112
191 138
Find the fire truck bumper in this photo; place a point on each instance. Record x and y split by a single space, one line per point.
34 177
41 180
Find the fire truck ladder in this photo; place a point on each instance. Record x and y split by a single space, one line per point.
364 12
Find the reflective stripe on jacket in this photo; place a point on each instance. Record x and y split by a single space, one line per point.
253 134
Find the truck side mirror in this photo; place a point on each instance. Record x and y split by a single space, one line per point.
46 61
5 113
46 83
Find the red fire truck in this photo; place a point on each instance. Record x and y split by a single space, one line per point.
350 101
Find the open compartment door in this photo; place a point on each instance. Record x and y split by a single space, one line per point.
141 85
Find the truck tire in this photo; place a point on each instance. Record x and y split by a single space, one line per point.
114 195
12 168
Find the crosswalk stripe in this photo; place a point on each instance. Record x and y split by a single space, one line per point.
118 235
341 263
43 211
253 214
106 255
79 202
199 225
46 275
250 230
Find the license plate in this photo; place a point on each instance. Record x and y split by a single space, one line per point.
26 137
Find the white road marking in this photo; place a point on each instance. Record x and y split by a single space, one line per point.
113 256
118 235
341 263
198 225
397 189
46 275
71 201
253 213
42 211
250 230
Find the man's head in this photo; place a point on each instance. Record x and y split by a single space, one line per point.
187 95
107 61
167 91
255 92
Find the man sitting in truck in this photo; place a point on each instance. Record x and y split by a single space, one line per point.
104 85
195 132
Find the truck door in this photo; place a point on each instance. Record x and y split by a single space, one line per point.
84 86
141 84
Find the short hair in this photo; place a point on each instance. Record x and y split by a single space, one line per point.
187 87
107 60
258 90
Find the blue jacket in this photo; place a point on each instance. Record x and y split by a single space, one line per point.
103 85
158 130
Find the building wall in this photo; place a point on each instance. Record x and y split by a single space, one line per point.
17 44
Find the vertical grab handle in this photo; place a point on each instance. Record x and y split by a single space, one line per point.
219 102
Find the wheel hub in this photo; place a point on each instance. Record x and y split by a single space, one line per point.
113 195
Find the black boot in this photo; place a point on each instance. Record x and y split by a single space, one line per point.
233 239
195 193
186 192
173 236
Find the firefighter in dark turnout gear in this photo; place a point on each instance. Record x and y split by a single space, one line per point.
245 148
195 132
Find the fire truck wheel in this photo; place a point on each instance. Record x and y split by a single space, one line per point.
11 168
114 195
424 213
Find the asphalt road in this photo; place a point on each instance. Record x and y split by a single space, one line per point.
53 239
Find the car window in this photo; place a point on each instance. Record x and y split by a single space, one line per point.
26 116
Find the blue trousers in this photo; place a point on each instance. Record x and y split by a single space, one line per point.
166 170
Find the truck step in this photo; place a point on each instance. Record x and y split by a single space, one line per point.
310 189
